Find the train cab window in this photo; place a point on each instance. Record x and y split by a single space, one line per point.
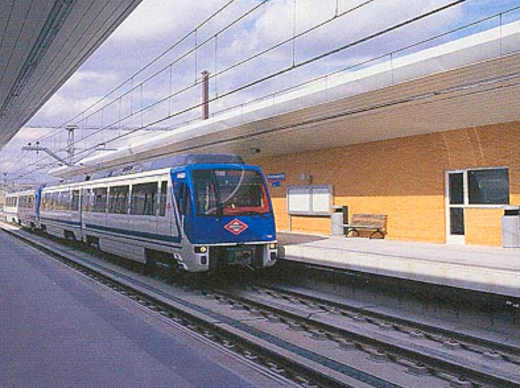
74 205
230 192
163 198
118 200
144 199
100 200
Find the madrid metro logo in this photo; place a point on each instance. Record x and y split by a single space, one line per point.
236 227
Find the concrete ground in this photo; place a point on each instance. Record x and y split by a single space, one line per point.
59 328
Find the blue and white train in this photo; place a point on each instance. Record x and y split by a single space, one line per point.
194 213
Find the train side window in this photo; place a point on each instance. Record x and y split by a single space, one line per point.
144 199
100 200
74 206
163 198
85 201
65 200
55 200
118 200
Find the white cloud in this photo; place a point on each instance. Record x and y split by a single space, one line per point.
165 18
156 25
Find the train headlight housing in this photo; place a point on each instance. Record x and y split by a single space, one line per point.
202 249
273 245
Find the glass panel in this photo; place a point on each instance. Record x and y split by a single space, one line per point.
320 199
162 199
85 201
230 192
456 188
144 199
100 200
457 221
118 201
489 187
65 200
75 200
299 199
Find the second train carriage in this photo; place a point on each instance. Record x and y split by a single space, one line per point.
195 212
11 208
27 208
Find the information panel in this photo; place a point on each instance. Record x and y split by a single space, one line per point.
309 200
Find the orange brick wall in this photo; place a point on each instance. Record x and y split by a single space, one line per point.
404 178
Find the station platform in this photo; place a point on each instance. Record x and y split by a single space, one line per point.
60 328
483 269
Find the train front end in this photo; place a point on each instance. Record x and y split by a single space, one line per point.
227 216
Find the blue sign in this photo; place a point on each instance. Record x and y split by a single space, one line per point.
276 177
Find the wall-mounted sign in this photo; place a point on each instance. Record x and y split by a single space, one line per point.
311 200
276 179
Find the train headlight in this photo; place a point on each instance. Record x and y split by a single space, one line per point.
273 246
202 249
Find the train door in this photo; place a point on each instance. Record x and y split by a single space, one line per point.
167 225
181 193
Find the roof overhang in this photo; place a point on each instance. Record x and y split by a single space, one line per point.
42 43
469 82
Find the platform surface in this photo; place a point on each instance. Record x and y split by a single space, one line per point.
59 328
485 269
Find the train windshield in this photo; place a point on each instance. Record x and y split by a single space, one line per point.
229 192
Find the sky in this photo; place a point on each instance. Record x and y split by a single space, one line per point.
228 48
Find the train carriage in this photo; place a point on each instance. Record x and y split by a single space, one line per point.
11 208
27 203
194 213
59 213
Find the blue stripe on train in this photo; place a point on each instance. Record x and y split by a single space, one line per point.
134 233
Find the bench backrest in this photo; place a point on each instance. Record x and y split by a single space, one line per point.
377 221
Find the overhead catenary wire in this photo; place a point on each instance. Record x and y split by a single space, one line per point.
311 60
301 64
229 68
151 63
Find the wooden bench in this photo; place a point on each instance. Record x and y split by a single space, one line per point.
375 222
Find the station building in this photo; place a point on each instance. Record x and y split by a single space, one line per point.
430 139
409 179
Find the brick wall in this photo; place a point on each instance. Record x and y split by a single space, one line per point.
404 178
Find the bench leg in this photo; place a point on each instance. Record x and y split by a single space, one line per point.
352 230
376 232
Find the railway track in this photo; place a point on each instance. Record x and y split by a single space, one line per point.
310 342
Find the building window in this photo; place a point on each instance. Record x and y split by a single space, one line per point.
488 187
479 187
